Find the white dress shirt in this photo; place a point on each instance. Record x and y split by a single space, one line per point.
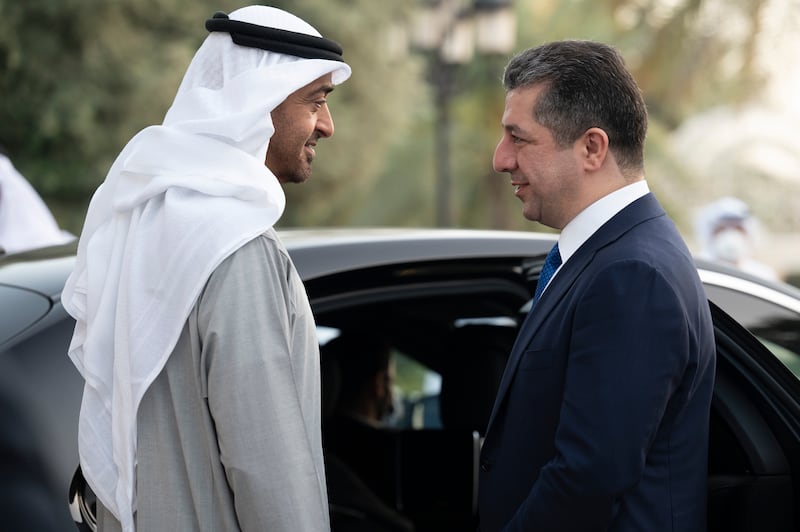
590 219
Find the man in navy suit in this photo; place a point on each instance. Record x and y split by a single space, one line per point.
601 418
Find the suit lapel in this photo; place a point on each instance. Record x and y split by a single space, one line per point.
644 208
533 321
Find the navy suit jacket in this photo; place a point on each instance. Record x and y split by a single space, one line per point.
601 418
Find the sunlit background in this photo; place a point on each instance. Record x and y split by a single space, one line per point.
417 123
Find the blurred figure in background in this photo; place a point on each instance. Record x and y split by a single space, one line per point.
728 234
25 221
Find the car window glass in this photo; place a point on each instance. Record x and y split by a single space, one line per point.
416 395
416 388
775 326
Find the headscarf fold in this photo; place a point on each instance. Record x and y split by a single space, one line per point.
180 198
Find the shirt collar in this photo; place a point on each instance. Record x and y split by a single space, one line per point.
589 220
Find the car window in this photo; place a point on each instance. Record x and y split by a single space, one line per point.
416 388
777 327
416 395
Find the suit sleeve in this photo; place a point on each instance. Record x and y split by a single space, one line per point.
628 352
255 392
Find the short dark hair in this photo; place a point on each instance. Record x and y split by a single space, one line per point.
586 85
360 355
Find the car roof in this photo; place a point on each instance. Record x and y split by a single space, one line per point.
343 248
358 248
778 292
346 249
43 271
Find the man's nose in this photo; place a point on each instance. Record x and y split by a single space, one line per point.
503 160
325 122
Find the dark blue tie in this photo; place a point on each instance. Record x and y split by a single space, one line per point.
551 264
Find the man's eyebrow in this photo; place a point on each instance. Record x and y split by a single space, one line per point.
316 92
324 89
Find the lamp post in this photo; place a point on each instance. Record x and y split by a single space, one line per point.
450 32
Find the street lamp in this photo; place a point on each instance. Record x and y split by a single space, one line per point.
450 32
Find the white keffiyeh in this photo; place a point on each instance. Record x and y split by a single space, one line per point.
177 201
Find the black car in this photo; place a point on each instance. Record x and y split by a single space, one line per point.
449 301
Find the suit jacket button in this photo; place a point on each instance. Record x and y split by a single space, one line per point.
486 466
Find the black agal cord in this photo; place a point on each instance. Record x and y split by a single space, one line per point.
275 40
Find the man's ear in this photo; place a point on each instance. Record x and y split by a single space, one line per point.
594 146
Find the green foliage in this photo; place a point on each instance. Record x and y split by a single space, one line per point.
681 60
370 110
79 78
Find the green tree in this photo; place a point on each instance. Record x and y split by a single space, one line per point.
370 110
683 63
79 78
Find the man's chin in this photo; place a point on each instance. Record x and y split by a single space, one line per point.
299 176
296 179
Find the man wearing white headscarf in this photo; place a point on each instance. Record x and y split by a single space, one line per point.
25 221
201 409
728 233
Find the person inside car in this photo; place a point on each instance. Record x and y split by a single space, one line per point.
359 446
